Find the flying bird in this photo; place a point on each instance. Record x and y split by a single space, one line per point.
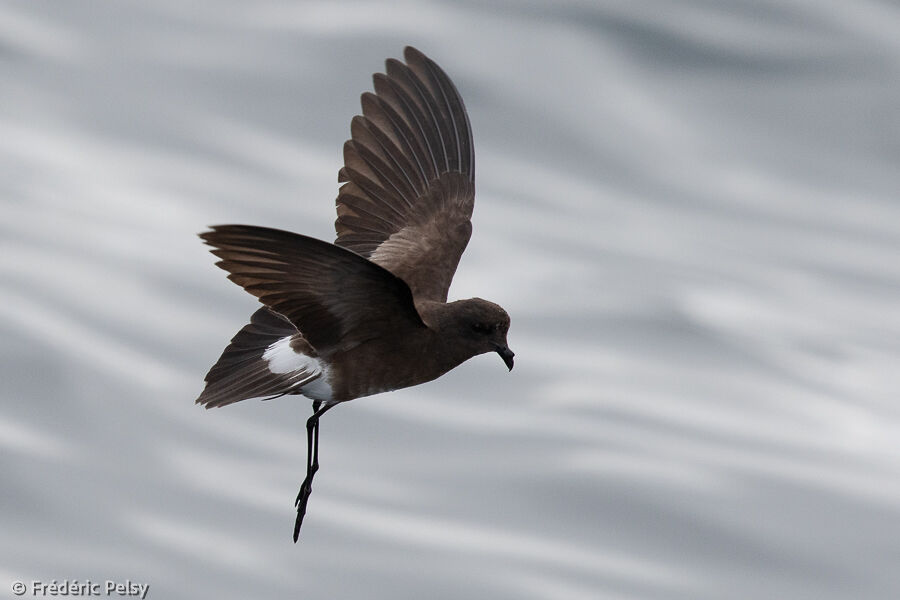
368 313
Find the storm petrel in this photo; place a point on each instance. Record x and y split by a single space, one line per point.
369 313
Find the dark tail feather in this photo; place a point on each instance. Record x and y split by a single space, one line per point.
241 372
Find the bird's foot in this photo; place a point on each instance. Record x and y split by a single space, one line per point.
305 491
300 503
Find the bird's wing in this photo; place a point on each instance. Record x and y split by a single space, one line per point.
409 173
336 298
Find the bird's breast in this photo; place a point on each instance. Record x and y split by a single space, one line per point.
383 366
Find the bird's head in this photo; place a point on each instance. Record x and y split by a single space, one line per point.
483 326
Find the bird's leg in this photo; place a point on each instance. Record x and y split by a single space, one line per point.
312 463
311 424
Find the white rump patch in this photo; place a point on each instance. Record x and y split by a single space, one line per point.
311 374
282 358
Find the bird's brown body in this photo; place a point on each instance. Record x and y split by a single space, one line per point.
385 364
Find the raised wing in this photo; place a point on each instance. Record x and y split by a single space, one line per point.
336 298
409 173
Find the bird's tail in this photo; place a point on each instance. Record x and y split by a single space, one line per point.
243 371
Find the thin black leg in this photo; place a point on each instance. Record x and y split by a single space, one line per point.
312 428
312 463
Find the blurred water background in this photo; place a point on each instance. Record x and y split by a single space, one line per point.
689 209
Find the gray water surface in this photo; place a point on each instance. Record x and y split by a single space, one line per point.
689 209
